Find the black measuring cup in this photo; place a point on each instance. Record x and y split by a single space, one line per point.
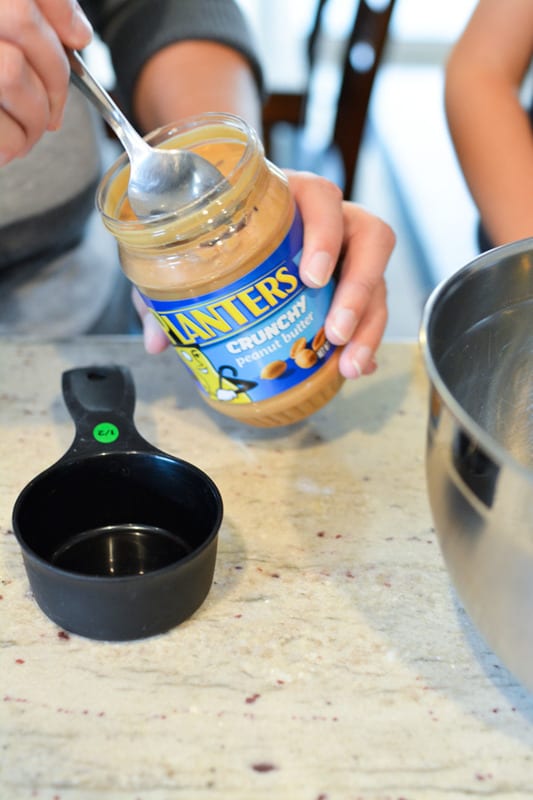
118 538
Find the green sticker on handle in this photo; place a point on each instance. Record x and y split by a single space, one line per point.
105 432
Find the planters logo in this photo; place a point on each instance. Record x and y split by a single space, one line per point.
220 317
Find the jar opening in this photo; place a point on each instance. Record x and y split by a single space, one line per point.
202 134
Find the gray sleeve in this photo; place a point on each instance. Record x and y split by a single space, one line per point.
136 29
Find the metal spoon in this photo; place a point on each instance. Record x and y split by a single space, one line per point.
160 180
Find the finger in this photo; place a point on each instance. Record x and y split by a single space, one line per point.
12 139
369 243
23 26
24 108
358 356
320 204
154 337
66 17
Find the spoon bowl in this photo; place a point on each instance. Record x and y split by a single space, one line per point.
161 180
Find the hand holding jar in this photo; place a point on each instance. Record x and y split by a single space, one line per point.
344 233
335 232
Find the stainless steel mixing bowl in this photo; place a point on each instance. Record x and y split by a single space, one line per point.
477 341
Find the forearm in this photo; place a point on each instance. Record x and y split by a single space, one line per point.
173 58
490 130
192 77
493 139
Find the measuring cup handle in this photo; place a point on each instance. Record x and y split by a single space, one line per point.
101 401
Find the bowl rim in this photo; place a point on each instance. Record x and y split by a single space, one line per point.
481 262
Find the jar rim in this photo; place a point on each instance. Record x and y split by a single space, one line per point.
226 196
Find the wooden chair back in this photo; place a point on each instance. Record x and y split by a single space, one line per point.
362 53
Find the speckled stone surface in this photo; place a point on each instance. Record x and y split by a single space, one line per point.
331 659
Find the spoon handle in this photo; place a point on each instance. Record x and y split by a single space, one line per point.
95 92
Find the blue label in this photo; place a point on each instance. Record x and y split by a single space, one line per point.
256 337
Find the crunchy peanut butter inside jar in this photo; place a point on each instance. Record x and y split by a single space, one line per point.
221 276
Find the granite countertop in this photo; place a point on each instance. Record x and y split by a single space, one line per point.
331 659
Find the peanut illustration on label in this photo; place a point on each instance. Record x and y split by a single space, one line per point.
273 370
306 358
298 345
319 341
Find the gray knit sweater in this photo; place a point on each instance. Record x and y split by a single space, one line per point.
136 29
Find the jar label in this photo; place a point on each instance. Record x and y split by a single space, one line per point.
256 337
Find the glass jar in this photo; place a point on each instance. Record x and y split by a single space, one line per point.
221 276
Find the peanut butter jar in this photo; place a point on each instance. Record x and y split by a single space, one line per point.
221 275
